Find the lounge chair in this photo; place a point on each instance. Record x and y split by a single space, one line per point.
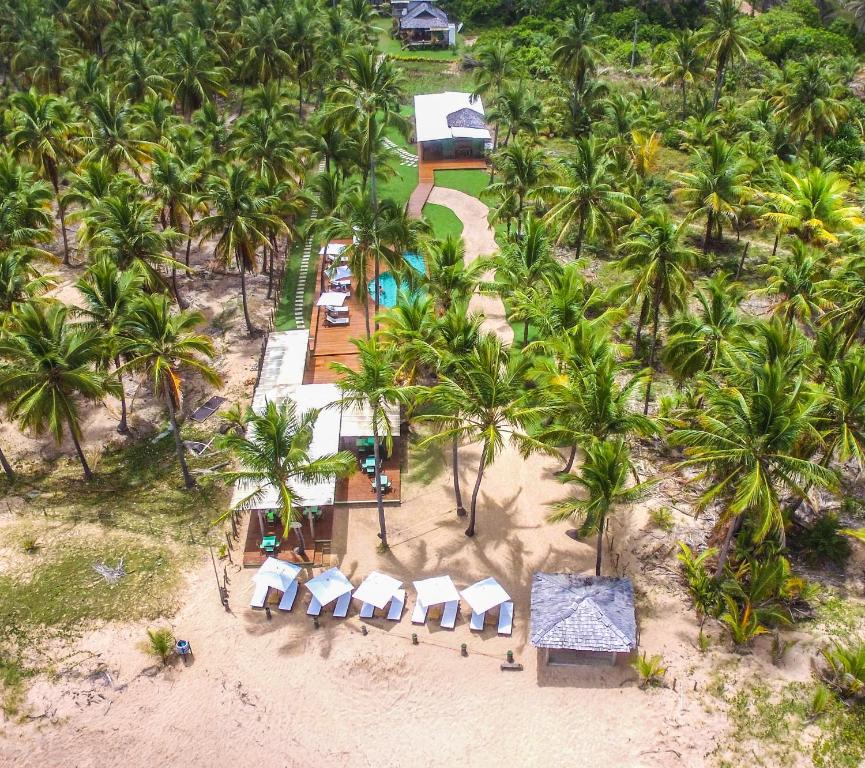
418 615
367 610
477 622
288 597
259 596
338 311
314 607
337 320
449 615
397 605
506 618
340 610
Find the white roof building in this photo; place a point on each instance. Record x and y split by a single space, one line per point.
449 115
284 361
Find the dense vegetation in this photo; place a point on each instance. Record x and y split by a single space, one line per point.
677 192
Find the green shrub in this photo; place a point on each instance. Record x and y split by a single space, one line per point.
845 670
651 670
160 643
662 518
823 542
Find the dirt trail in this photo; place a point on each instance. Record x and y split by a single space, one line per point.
479 240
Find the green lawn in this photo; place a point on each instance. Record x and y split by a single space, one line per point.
399 186
443 221
284 319
470 182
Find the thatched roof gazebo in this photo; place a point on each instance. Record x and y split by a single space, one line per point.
582 619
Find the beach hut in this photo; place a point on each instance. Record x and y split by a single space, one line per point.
434 595
328 587
489 602
582 619
279 575
377 590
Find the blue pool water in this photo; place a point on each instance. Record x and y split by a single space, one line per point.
387 282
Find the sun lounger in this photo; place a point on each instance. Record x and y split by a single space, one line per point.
314 607
340 610
367 610
337 320
397 604
477 622
288 597
449 616
259 596
506 618
337 311
205 411
418 615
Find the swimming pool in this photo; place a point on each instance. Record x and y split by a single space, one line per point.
387 282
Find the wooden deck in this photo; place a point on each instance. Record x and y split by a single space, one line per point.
418 199
253 556
357 489
426 168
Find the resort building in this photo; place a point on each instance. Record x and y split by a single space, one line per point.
582 619
423 25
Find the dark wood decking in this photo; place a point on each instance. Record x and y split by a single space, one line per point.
253 556
426 168
418 199
357 489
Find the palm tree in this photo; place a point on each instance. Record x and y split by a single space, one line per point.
410 327
746 438
483 401
20 279
603 477
496 65
588 199
89 19
109 296
43 132
42 53
724 40
715 185
373 388
523 264
843 417
265 144
50 364
275 456
844 294
523 169
683 64
809 102
192 70
449 279
794 279
162 345
575 50
25 202
814 207
242 219
139 73
114 134
660 260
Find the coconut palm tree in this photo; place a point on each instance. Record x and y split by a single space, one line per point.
484 401
683 64
20 280
518 109
265 144
114 134
163 345
496 65
274 456
44 128
603 478
139 72
42 52
844 294
410 327
715 185
809 102
655 251
576 48
373 388
746 439
794 280
843 413
193 71
25 216
89 19
522 169
242 218
588 199
109 295
50 365
449 279
724 40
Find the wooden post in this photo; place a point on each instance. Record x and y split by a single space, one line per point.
228 547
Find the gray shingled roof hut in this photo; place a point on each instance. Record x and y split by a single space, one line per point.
582 619
423 15
467 118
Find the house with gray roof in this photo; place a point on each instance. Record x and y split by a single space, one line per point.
424 25
582 619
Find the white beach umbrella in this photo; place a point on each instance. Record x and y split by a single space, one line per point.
329 586
276 573
377 589
331 299
439 589
332 249
484 595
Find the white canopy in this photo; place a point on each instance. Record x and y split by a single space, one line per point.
484 595
431 111
332 249
342 273
329 585
277 574
357 421
331 299
439 589
377 589
283 365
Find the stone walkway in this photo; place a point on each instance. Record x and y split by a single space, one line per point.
479 240
405 157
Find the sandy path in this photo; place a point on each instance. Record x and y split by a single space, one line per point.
479 240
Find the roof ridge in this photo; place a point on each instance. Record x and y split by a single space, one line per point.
606 620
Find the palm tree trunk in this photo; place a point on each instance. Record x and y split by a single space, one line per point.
61 214
470 531
599 550
684 100
88 474
7 467
570 463
742 260
735 524
644 311
581 232
188 480
656 318
458 496
122 427
188 242
775 245
251 329
382 526
525 332
708 234
719 84
366 314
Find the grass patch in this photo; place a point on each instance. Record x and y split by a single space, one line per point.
400 185
469 182
392 47
837 617
442 220
13 677
434 77
284 318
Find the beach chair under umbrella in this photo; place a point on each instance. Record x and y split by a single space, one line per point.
279 575
484 596
376 591
439 590
329 586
